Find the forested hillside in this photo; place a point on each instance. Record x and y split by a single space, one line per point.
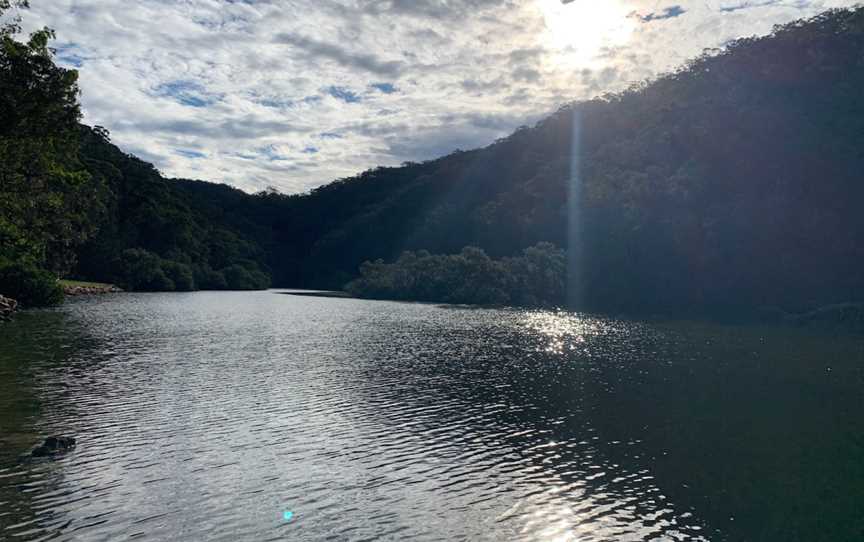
74 205
735 182
732 183
159 234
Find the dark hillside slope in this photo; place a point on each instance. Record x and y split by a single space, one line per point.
734 182
153 223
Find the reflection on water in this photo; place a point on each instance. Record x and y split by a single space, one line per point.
209 415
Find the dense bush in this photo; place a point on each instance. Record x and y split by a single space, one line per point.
142 271
248 277
537 278
208 279
30 286
180 274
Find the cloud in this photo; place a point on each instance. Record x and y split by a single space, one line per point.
748 5
316 50
295 94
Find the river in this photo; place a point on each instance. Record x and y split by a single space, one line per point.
261 416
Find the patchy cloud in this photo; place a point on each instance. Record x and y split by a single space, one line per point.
296 93
316 51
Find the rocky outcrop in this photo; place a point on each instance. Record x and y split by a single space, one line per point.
54 446
90 290
7 307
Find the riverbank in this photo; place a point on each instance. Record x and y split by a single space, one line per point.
76 288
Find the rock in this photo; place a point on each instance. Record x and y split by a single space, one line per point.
7 307
54 446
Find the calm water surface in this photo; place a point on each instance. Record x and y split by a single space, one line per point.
207 416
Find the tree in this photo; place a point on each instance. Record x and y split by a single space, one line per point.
47 200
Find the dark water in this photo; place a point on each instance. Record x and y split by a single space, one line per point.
206 416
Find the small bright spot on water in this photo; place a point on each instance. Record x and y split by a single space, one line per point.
287 515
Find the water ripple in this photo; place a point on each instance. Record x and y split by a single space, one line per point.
205 416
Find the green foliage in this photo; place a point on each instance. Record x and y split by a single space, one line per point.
70 201
196 230
142 271
534 279
180 275
47 200
208 279
248 277
30 286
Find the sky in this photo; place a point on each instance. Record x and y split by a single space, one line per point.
293 94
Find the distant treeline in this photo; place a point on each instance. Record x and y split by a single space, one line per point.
734 182
537 278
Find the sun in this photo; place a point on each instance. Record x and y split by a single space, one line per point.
579 30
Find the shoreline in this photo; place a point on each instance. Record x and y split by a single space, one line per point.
321 293
77 288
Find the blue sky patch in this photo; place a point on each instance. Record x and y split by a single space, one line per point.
386 88
344 94
190 154
69 54
271 153
187 93
668 13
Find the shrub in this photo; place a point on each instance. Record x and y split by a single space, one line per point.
180 274
30 286
208 279
536 278
142 271
239 277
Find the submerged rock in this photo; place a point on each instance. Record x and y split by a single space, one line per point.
7 307
54 446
